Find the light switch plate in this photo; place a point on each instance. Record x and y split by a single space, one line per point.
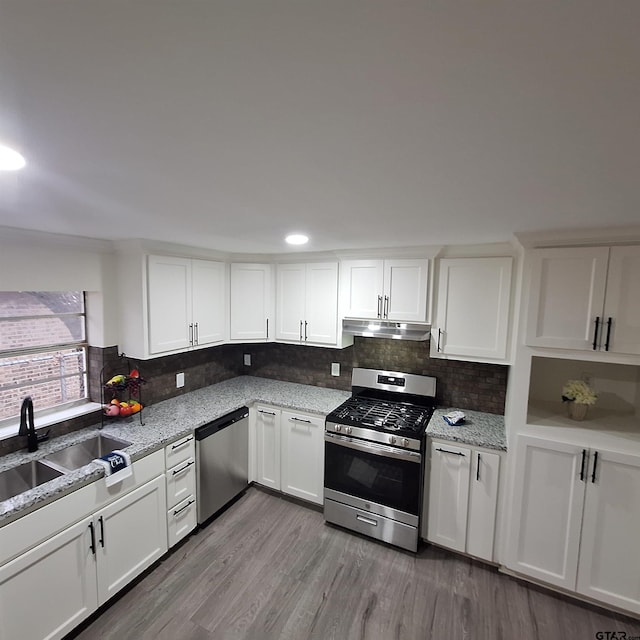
179 380
335 368
247 359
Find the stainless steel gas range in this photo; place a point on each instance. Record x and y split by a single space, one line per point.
374 455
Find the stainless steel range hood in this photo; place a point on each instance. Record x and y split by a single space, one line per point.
386 329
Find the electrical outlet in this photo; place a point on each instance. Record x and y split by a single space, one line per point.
180 380
335 368
247 359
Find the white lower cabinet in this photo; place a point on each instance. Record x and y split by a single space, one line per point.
130 536
267 421
463 498
302 456
290 452
182 514
48 588
575 518
47 591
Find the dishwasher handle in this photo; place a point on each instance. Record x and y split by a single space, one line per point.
225 421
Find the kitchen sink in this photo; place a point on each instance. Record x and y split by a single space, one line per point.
77 455
27 476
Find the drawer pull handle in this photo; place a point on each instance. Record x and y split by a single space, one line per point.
181 444
269 413
181 469
453 453
300 420
370 521
181 509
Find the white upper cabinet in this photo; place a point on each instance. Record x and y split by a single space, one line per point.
473 302
186 303
251 303
307 303
622 301
585 298
385 289
169 287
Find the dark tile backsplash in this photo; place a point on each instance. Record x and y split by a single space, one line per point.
465 385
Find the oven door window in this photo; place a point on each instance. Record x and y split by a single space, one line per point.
388 481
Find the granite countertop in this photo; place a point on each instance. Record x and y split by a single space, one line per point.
478 430
165 422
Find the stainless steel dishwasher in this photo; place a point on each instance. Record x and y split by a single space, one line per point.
222 450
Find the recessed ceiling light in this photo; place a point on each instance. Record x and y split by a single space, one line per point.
297 238
10 160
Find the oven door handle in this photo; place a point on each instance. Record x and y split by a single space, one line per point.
374 448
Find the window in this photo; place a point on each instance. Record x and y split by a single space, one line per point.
43 350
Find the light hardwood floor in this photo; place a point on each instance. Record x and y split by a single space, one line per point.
269 569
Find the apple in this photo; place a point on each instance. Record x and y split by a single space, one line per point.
111 409
134 374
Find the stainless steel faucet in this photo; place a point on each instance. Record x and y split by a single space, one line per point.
28 425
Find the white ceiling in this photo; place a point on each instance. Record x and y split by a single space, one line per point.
365 123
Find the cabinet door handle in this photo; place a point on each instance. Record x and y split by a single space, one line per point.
267 328
453 453
196 335
175 472
101 541
595 464
386 307
606 344
595 333
379 306
478 469
181 509
584 459
269 413
305 330
294 419
191 334
438 349
300 330
370 521
177 445
92 546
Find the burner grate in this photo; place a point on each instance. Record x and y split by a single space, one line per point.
390 416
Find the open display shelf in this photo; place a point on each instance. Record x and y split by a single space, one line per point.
120 380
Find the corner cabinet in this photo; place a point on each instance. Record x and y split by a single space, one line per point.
473 308
307 303
585 298
289 452
575 517
251 303
393 289
463 498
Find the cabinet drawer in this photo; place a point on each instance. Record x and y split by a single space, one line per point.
181 482
180 450
181 520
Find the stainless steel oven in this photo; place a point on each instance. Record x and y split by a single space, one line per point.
374 452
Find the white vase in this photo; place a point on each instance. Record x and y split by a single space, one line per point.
577 411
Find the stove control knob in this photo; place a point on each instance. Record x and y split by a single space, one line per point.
405 442
338 427
392 439
349 430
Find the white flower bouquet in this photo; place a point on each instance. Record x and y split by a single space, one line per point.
578 391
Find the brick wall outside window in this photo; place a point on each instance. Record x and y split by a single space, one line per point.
19 370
